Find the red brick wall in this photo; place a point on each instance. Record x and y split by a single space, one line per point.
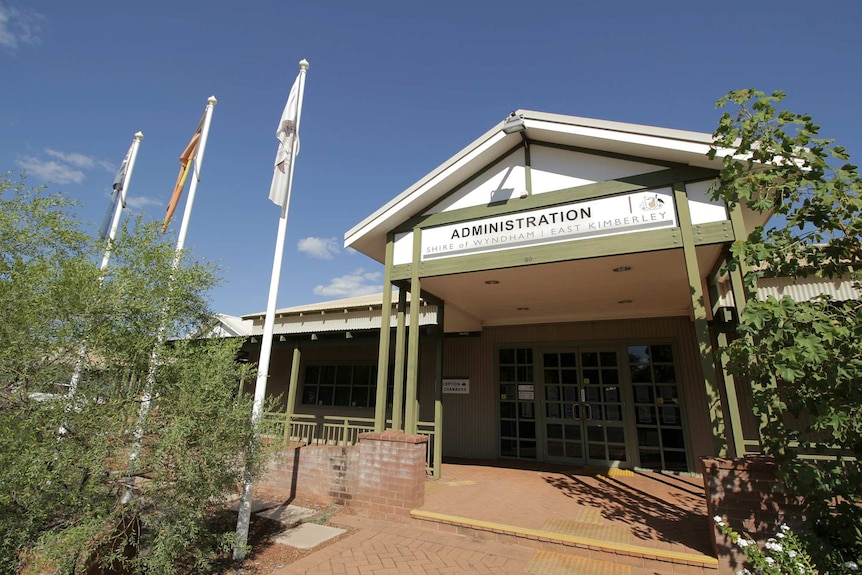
391 474
746 494
382 477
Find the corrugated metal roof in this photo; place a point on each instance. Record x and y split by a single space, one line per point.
799 289
346 304
335 321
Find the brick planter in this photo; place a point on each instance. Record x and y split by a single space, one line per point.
745 492
383 476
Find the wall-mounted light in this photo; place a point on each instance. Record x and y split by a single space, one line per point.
514 124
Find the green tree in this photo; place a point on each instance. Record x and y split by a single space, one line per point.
61 496
803 359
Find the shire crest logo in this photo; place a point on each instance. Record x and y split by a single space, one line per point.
651 202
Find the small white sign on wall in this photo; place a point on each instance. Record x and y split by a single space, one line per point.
456 385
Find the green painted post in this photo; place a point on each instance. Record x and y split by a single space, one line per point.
291 393
438 394
400 337
383 351
410 415
713 394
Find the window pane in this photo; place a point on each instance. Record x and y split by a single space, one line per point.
641 374
309 395
590 359
638 354
610 377
507 356
343 374
324 395
507 409
312 373
550 360
327 375
661 353
508 429
342 396
664 374
568 360
509 447
608 358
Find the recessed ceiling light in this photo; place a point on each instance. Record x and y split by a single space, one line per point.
625 301
523 309
491 282
623 269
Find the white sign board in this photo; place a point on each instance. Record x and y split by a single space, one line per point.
458 386
614 215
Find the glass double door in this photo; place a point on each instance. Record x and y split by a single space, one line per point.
583 407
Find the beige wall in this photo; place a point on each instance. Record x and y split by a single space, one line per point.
470 421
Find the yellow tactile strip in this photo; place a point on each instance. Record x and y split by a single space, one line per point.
623 548
616 472
592 530
549 563
591 515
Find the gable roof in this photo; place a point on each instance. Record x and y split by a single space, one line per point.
649 142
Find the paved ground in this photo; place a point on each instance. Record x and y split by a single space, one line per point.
665 512
384 548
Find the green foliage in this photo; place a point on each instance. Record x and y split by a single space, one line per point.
781 554
61 496
802 358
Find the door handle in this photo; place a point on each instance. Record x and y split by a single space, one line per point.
589 411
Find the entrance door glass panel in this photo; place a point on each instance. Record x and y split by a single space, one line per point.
517 403
658 412
583 407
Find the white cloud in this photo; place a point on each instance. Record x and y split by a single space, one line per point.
141 202
51 171
19 27
63 167
74 158
320 248
358 283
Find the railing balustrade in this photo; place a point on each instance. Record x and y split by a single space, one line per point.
307 429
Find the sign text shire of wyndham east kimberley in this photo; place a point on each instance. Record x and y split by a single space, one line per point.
579 220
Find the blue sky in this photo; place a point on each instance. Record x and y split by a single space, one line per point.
394 89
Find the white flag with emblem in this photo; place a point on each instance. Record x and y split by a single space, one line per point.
288 148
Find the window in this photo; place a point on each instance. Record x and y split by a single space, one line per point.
340 385
658 412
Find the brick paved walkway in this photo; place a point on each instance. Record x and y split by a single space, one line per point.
665 512
383 548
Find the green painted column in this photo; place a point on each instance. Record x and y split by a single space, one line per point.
410 411
707 364
398 382
438 394
383 351
291 392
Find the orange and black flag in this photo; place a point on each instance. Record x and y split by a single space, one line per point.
186 159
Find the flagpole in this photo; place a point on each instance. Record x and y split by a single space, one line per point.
244 515
117 213
121 200
147 395
199 158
